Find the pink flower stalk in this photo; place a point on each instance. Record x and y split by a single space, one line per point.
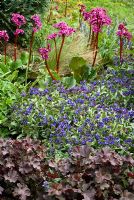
123 33
44 52
36 22
37 25
53 37
18 19
64 31
4 36
98 19
18 32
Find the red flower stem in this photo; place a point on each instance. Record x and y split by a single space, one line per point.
15 47
121 49
30 49
90 31
5 53
59 55
66 5
49 70
56 51
49 16
96 49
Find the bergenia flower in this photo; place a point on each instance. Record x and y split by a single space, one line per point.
52 36
123 32
44 52
66 31
60 25
4 35
18 32
18 19
98 19
82 8
36 23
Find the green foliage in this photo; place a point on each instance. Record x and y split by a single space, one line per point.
81 70
25 7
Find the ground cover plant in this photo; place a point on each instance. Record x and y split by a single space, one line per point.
66 100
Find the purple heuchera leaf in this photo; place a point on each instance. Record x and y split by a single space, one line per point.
11 176
1 190
22 191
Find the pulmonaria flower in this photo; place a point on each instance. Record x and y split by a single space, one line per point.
36 22
18 32
44 52
4 35
98 19
52 36
18 19
123 32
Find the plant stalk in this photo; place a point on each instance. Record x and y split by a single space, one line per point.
49 70
121 49
59 55
5 54
56 51
96 49
66 5
15 47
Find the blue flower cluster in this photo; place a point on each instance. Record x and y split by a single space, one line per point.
100 113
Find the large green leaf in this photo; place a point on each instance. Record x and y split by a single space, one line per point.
76 63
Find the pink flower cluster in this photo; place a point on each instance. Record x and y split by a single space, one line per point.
52 36
82 8
97 18
18 19
36 23
44 52
18 31
65 30
123 32
4 35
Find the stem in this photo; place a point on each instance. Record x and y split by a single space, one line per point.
56 52
30 54
121 49
5 53
49 16
30 49
90 30
59 55
66 9
15 47
49 71
96 50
